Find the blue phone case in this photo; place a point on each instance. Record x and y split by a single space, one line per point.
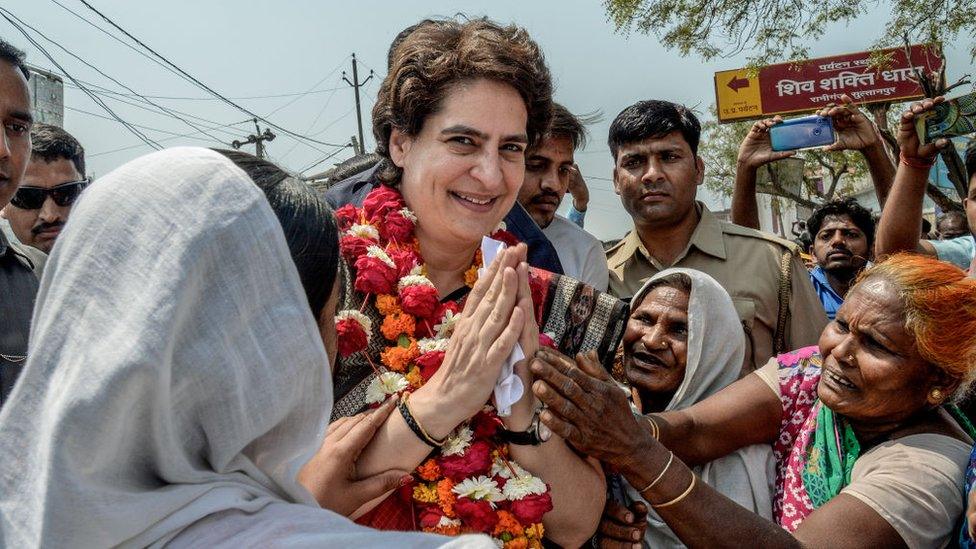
802 133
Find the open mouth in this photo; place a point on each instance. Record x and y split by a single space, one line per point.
839 380
647 361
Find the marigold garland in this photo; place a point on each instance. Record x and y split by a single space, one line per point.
470 484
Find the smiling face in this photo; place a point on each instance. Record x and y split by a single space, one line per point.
547 171
657 180
463 170
872 371
655 344
39 228
15 144
840 246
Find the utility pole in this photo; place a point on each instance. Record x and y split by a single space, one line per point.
258 138
356 84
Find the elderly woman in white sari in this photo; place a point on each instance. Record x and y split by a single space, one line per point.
687 308
176 382
683 342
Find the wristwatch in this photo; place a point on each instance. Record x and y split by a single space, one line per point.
534 435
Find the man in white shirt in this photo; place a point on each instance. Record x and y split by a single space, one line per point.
548 169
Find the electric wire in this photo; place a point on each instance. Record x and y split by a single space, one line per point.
99 71
10 18
202 85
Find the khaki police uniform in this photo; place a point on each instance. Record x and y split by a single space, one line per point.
747 263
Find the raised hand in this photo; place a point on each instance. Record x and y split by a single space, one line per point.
483 338
853 129
523 411
912 150
756 149
330 476
578 189
586 408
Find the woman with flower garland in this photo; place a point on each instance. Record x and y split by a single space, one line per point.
452 120
869 451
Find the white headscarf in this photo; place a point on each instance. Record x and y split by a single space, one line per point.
175 372
716 346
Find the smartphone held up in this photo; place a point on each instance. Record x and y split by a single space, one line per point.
806 132
952 118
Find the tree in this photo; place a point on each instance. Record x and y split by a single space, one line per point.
779 30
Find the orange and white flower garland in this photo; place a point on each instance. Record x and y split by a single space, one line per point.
469 484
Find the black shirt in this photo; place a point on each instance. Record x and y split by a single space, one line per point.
18 288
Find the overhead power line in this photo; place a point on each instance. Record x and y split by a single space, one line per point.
103 117
13 20
99 71
201 84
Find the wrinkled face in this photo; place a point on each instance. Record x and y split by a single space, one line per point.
39 228
872 372
15 144
463 170
840 246
655 342
547 172
657 180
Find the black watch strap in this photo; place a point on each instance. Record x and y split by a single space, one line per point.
529 437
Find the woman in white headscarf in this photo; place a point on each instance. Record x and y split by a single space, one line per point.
683 343
176 380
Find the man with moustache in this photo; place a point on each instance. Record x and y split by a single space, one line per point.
53 181
549 169
657 172
18 280
843 237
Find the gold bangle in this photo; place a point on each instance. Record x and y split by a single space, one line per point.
681 497
660 475
655 430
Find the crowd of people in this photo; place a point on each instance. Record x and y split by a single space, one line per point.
198 349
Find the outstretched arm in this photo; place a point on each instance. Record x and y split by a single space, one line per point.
900 226
856 132
754 152
592 413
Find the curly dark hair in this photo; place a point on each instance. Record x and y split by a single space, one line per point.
859 215
439 54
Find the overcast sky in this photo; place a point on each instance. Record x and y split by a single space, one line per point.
246 49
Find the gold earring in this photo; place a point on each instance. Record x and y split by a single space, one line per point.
850 358
936 395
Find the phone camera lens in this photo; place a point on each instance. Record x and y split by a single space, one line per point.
816 131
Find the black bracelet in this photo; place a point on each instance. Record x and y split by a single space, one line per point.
415 426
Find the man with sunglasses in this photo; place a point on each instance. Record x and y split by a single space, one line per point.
53 181
18 264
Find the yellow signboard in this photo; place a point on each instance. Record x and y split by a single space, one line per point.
737 95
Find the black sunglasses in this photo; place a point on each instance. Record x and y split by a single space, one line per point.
65 194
